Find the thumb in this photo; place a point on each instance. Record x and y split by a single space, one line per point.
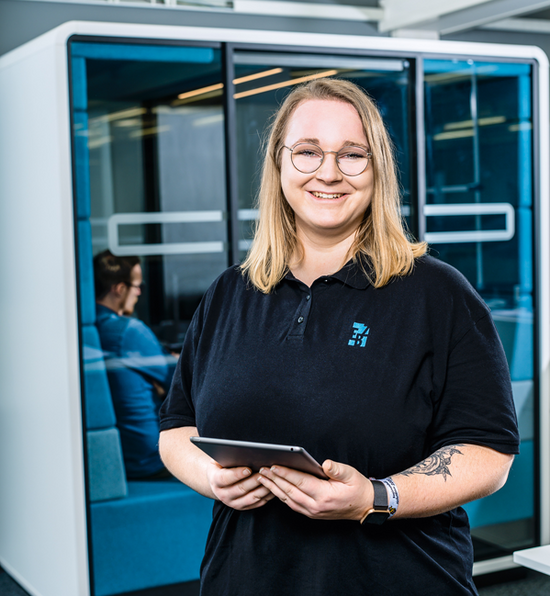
338 471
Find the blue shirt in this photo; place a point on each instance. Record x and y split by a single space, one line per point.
134 360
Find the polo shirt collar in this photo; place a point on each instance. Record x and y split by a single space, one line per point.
351 274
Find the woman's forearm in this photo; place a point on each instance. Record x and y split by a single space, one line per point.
185 461
450 477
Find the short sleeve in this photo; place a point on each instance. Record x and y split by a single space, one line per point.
476 404
177 409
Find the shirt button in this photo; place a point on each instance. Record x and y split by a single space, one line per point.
300 319
308 297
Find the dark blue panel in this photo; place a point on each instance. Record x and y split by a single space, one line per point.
82 165
142 53
498 69
79 84
99 406
153 537
86 266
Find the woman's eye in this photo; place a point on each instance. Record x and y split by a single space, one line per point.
307 153
351 156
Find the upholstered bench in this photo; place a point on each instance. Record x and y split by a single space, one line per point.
143 534
153 536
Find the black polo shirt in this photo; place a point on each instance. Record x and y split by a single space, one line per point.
376 378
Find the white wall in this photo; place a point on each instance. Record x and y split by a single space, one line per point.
42 505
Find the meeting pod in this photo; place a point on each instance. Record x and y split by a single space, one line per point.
146 140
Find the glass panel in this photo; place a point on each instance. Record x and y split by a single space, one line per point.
262 81
149 157
479 216
156 146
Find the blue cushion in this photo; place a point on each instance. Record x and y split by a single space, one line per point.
99 406
86 266
106 474
155 536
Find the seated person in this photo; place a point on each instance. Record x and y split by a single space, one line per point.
138 369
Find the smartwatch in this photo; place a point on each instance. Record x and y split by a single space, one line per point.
380 510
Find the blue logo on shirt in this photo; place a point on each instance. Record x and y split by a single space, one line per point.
360 335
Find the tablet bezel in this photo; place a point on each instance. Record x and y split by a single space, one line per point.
232 454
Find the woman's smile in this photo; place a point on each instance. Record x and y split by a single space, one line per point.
325 195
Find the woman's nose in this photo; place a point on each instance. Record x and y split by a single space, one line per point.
329 170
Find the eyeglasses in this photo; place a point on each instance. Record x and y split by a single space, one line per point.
308 158
140 286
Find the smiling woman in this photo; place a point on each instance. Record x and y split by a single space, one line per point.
379 360
339 114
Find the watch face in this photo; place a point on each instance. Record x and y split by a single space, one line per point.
377 517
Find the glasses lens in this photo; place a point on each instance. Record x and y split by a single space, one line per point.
306 157
353 160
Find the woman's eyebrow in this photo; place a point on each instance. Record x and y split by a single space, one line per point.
308 140
348 143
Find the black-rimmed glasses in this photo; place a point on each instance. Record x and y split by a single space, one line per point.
140 286
308 158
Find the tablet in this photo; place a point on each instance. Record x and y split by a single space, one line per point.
233 454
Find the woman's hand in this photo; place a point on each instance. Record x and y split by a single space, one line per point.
238 488
347 494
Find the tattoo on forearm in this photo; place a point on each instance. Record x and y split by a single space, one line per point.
437 464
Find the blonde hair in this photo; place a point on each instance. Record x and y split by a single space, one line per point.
381 235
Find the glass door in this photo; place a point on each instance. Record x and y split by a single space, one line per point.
478 217
149 181
263 79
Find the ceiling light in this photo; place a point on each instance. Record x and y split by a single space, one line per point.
200 91
319 75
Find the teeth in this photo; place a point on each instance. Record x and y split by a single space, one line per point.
324 195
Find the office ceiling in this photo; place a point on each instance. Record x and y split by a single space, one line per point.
422 18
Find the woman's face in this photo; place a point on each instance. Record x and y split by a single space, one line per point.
326 201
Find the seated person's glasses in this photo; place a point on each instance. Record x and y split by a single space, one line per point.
308 157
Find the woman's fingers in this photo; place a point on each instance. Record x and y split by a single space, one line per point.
295 489
238 487
345 495
224 477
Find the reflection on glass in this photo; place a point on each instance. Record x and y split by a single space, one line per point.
479 216
156 146
149 161
262 81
